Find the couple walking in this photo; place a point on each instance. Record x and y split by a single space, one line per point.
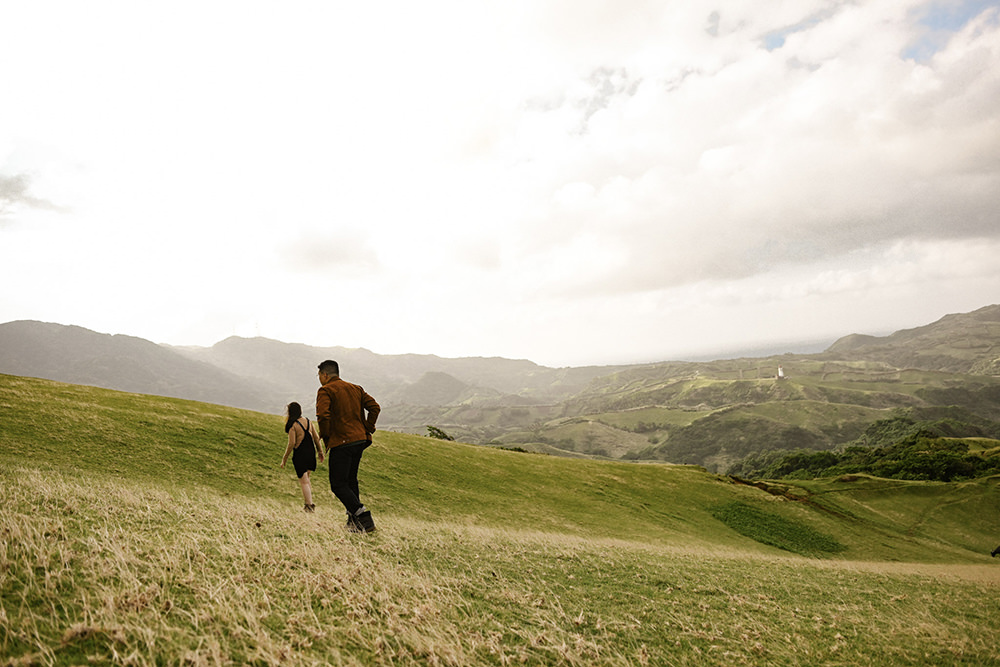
346 414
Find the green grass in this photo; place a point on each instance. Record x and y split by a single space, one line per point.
829 402
100 570
716 413
137 530
657 416
814 415
984 446
775 530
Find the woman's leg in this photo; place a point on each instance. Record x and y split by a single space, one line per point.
306 488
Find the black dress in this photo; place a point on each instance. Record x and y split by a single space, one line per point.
304 456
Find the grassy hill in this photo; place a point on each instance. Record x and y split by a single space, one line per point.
713 414
958 343
142 530
126 363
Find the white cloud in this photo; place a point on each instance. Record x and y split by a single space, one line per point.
545 177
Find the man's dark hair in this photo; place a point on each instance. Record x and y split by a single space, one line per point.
330 367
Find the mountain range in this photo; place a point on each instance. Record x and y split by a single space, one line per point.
710 413
264 375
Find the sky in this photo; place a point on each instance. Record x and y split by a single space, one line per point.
571 182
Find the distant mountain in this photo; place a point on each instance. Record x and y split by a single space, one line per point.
265 375
710 413
403 379
80 356
437 388
957 343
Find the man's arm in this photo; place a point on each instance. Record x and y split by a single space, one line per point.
372 407
323 415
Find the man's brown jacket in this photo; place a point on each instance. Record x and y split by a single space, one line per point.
340 411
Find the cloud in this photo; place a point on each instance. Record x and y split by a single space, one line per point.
832 143
336 252
15 195
511 167
937 21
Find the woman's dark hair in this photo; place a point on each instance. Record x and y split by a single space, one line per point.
294 412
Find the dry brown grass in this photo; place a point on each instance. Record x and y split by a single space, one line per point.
99 571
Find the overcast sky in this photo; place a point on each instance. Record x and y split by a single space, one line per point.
568 181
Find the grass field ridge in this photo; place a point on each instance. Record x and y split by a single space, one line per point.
138 530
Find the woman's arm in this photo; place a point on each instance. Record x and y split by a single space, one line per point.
293 442
316 440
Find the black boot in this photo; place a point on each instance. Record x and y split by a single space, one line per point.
363 518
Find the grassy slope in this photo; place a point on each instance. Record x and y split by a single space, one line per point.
141 530
832 401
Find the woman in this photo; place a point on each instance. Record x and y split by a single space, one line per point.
305 442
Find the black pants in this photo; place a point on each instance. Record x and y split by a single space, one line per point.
344 461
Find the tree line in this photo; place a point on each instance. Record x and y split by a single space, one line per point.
896 448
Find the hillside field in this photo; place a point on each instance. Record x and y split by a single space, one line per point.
140 530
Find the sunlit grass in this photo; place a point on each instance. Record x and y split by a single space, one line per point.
98 570
143 531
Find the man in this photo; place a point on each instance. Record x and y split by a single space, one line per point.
346 430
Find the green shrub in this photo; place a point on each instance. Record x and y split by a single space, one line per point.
435 432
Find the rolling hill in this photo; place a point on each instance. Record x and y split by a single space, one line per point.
715 413
80 356
707 413
170 442
264 374
142 530
967 343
